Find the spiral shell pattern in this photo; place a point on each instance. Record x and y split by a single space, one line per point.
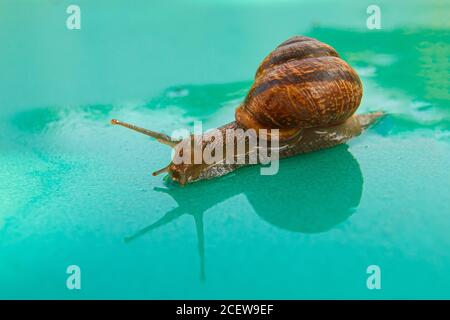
303 83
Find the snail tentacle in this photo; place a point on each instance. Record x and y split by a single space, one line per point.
161 137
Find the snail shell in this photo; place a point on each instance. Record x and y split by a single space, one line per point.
303 83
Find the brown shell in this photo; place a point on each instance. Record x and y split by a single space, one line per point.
303 83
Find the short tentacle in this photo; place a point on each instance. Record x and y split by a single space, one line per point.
165 169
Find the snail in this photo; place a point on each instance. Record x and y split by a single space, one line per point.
304 95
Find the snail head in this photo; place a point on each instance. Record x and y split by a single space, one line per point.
179 171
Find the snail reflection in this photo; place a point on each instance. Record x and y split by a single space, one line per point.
310 194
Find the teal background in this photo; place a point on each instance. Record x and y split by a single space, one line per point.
75 190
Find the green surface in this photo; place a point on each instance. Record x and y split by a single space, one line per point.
75 190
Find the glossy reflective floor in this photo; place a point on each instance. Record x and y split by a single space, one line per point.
75 190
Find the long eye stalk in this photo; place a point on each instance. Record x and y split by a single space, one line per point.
161 137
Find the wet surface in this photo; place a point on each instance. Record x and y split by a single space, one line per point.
76 190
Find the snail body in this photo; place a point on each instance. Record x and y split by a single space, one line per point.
303 92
